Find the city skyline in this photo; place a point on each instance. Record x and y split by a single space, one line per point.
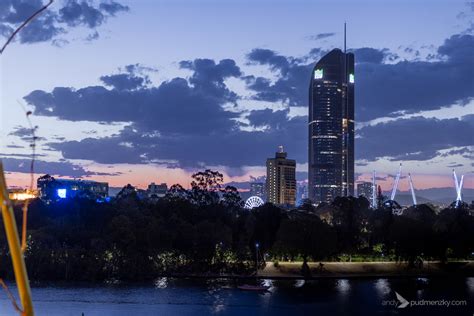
251 93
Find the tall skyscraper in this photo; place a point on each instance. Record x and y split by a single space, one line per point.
331 127
281 179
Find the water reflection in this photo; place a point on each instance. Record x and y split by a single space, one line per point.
343 287
382 287
470 285
299 283
175 296
161 283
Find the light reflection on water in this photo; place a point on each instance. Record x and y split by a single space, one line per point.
343 287
171 296
161 283
383 287
470 285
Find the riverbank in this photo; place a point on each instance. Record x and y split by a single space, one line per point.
292 270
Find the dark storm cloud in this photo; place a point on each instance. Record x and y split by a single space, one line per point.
416 138
381 89
52 23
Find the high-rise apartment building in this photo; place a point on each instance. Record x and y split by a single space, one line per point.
281 179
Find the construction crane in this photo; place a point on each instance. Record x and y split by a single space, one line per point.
458 187
412 189
374 191
395 185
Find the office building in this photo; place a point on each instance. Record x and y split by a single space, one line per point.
365 189
53 189
281 179
331 127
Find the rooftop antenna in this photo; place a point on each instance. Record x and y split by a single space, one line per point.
344 37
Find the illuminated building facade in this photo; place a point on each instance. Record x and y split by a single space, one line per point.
365 189
331 127
281 179
52 189
21 194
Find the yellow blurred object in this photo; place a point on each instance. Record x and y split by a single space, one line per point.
18 261
21 195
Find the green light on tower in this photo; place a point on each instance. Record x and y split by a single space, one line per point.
318 74
351 78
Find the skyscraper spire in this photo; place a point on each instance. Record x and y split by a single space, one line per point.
344 37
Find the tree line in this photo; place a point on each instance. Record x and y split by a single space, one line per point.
207 230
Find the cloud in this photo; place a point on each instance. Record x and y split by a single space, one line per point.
186 122
231 147
25 134
416 138
369 55
292 77
124 81
382 89
64 169
175 106
321 36
52 23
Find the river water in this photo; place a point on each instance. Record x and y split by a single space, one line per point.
221 297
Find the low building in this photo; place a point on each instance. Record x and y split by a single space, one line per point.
53 189
157 190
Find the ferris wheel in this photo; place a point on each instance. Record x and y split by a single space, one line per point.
253 201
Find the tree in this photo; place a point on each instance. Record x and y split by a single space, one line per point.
231 198
307 236
205 187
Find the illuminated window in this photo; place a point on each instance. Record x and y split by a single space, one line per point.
351 78
62 193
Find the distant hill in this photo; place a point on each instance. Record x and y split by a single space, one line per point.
437 196
113 191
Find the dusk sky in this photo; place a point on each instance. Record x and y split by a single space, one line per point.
152 91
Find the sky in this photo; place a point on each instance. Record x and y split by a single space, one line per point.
152 91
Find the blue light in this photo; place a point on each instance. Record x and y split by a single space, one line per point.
62 193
